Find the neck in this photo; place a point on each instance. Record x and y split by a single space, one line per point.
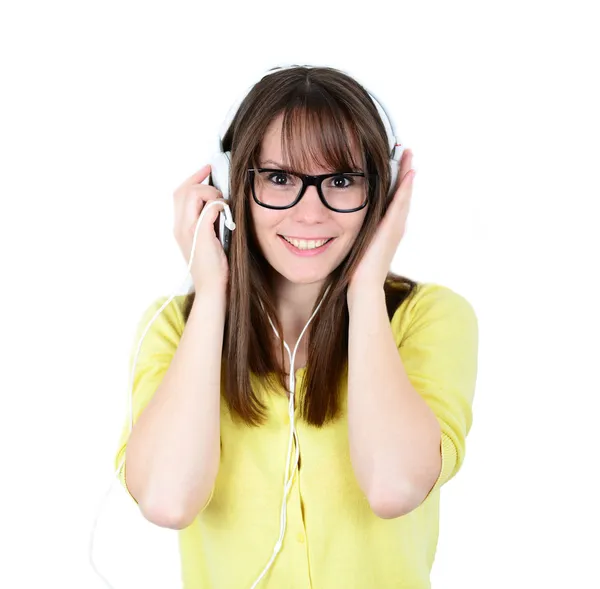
295 304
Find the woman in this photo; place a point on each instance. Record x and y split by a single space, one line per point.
384 372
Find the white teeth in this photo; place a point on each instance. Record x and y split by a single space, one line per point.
303 244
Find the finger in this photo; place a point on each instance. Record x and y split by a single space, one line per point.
189 203
197 177
405 163
197 195
403 167
193 208
404 192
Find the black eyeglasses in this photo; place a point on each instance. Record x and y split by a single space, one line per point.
344 192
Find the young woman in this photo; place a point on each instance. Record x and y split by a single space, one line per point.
382 375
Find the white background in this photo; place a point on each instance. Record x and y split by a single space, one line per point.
106 107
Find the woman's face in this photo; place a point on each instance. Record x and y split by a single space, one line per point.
308 220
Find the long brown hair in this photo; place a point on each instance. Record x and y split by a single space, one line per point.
323 110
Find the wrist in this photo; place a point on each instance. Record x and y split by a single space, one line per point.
371 293
213 296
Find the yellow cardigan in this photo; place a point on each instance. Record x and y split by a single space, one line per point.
333 540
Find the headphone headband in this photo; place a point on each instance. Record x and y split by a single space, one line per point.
393 141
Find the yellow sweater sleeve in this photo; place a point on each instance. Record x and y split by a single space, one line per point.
437 338
155 355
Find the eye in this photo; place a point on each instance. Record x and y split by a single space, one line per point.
340 181
283 178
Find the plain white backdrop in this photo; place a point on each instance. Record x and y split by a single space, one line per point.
106 107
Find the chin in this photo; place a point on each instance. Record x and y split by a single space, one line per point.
302 277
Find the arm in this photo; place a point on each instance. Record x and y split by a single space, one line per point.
409 402
173 453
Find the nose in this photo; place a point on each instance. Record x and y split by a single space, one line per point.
310 208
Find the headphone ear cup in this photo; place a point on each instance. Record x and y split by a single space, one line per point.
220 168
395 166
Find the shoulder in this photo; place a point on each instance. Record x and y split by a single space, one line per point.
435 309
167 327
173 313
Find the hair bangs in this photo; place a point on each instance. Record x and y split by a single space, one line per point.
320 135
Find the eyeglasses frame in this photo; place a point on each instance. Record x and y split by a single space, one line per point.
308 180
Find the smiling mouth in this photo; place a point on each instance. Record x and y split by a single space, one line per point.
306 244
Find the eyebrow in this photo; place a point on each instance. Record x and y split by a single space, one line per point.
274 163
287 169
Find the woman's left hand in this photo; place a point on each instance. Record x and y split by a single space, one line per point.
375 263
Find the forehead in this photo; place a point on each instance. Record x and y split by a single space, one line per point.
301 143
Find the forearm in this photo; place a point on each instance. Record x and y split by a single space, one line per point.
173 453
394 436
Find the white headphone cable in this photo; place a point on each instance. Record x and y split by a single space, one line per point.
289 477
231 225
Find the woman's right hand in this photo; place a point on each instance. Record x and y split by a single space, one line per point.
210 268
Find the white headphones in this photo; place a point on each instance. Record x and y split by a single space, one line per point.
220 162
220 170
